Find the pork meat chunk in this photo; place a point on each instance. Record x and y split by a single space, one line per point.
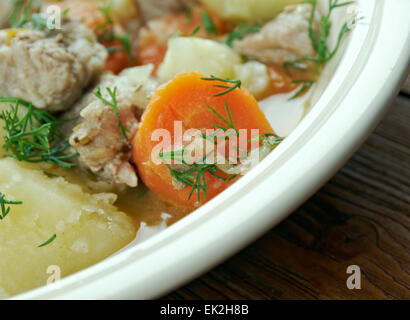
50 69
283 39
97 137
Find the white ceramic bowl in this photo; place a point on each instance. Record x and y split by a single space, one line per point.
351 98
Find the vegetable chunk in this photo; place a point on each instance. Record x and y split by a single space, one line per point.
248 10
202 55
194 101
87 228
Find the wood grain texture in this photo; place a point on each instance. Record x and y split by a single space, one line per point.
361 217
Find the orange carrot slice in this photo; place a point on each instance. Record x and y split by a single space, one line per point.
185 99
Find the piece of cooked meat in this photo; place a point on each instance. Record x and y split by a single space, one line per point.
151 9
50 69
283 39
97 137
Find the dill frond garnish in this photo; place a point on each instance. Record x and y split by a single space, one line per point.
114 105
270 139
228 122
241 30
319 42
4 206
36 136
50 175
195 31
53 237
236 84
193 175
209 25
25 13
22 13
305 86
105 33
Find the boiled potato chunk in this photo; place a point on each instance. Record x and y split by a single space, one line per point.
202 55
254 76
248 10
88 228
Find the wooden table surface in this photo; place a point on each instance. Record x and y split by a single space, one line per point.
361 217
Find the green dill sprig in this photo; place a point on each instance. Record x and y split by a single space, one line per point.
193 174
209 25
241 30
50 175
4 206
125 40
272 139
53 237
26 13
224 132
236 84
114 105
228 122
319 42
22 13
105 33
305 86
35 137
195 31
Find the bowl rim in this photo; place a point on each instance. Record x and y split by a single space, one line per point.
205 237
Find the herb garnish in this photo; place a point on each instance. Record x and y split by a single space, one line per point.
114 106
271 139
50 175
306 85
195 31
193 174
209 25
26 13
228 122
53 237
236 84
105 33
319 42
241 30
22 14
35 137
6 210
